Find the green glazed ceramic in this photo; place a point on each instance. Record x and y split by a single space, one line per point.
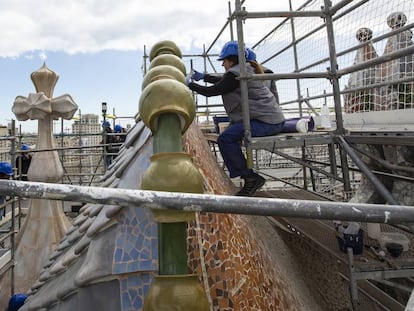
166 96
173 172
164 47
176 293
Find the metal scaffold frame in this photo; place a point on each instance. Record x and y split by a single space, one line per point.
341 137
14 205
341 142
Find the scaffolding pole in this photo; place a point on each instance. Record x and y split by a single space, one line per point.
374 213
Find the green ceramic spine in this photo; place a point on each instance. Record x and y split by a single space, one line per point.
172 237
167 108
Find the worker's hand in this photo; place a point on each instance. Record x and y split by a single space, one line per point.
197 75
188 79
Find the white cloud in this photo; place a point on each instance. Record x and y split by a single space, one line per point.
83 26
43 56
33 30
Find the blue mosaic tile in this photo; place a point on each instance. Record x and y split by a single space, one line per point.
136 282
138 303
118 254
126 257
146 288
154 247
140 242
134 253
145 254
148 230
126 300
146 264
133 290
136 242
135 266
119 268
146 278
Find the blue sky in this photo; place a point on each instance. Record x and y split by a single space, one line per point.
96 46
110 76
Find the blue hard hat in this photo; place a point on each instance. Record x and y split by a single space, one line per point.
16 301
118 128
230 48
250 54
6 168
106 124
25 147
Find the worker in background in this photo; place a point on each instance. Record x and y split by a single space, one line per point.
118 139
6 172
266 117
23 162
108 139
121 133
16 301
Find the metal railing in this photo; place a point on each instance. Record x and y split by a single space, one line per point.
374 213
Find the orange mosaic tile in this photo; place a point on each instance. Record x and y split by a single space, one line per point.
236 266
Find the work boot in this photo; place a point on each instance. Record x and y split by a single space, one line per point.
252 182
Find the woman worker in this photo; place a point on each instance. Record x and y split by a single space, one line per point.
266 117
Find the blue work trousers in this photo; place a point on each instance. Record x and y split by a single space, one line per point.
229 143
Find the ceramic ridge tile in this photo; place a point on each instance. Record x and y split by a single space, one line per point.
74 236
100 222
57 268
69 257
84 227
81 245
44 275
112 210
95 210
79 220
86 208
55 254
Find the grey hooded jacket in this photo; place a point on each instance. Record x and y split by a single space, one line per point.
262 103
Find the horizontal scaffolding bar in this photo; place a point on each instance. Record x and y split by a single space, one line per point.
375 213
293 75
376 61
289 14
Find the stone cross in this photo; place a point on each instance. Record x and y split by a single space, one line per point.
41 106
46 222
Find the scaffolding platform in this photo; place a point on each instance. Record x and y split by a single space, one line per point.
289 140
366 266
375 137
285 140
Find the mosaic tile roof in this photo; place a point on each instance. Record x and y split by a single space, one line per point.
107 259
